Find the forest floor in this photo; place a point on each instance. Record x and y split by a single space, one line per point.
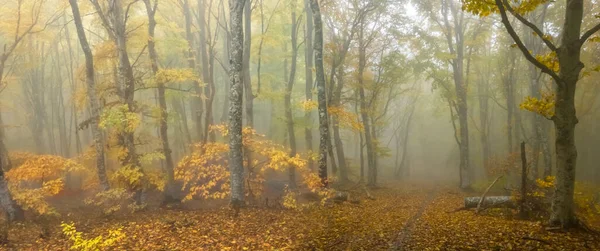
399 218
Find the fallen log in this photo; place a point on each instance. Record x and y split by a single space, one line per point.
490 202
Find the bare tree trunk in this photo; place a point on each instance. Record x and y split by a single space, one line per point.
246 64
196 102
364 111
170 190
92 96
321 92
455 40
288 97
209 88
236 9
308 60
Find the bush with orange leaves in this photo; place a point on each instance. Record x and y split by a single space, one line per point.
38 178
205 174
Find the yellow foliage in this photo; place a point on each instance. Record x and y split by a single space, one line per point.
487 7
205 173
550 60
174 75
38 178
78 242
289 199
309 105
110 201
543 106
120 118
346 119
18 158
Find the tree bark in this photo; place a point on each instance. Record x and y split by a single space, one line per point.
321 92
288 97
308 59
236 9
197 103
209 89
92 96
170 189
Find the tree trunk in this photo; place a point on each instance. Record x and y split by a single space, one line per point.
288 97
569 56
246 64
92 96
321 92
170 189
364 112
207 78
235 99
308 59
197 103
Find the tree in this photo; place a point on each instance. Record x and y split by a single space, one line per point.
321 92
162 103
13 211
564 117
308 60
114 20
288 94
92 96
236 162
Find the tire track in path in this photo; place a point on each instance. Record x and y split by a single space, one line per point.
405 234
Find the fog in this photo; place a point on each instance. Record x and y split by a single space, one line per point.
124 107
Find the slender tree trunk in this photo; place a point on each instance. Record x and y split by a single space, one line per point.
364 112
92 96
209 88
170 190
246 64
288 97
196 102
321 92
236 10
308 59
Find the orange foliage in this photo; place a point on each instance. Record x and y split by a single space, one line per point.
204 173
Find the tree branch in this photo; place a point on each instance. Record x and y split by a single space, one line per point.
589 33
530 25
511 31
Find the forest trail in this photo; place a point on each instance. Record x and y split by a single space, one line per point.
405 234
401 217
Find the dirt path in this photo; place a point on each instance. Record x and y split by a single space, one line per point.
405 234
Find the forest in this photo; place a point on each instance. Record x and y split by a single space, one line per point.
299 124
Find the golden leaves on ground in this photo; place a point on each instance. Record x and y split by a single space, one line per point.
370 225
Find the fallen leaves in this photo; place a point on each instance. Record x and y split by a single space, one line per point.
370 225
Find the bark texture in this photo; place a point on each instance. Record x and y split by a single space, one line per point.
321 92
92 96
236 10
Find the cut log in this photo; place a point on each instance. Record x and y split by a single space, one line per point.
490 202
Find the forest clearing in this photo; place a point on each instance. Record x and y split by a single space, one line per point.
407 217
299 125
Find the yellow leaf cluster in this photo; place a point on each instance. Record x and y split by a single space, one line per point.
110 201
204 173
174 75
38 178
543 106
309 105
550 60
78 242
346 119
485 8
